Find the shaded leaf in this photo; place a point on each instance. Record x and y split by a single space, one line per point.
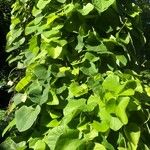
132 132
25 117
19 98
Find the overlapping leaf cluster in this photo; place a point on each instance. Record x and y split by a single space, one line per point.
72 94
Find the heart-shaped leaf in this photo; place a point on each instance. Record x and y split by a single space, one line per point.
25 117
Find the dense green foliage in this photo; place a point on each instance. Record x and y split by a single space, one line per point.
81 88
5 13
5 20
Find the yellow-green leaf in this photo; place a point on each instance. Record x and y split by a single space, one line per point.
23 82
121 109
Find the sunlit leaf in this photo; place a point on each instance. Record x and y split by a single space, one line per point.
42 3
55 52
115 123
100 126
99 147
23 82
86 9
102 5
61 1
121 109
40 145
77 90
111 83
9 127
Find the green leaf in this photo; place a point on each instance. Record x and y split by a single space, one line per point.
110 105
51 33
33 45
55 52
42 3
147 89
102 126
40 72
89 68
99 147
40 145
80 44
91 57
53 100
21 146
8 144
30 29
19 98
111 83
50 18
74 105
102 5
37 20
25 117
36 11
23 82
121 59
99 49
121 109
53 136
32 141
63 138
73 108
69 9
55 114
35 89
115 124
107 145
129 88
124 38
9 127
86 9
45 95
69 140
13 35
61 1
53 123
128 92
132 132
77 90
95 99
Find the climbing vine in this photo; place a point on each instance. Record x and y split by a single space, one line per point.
80 86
